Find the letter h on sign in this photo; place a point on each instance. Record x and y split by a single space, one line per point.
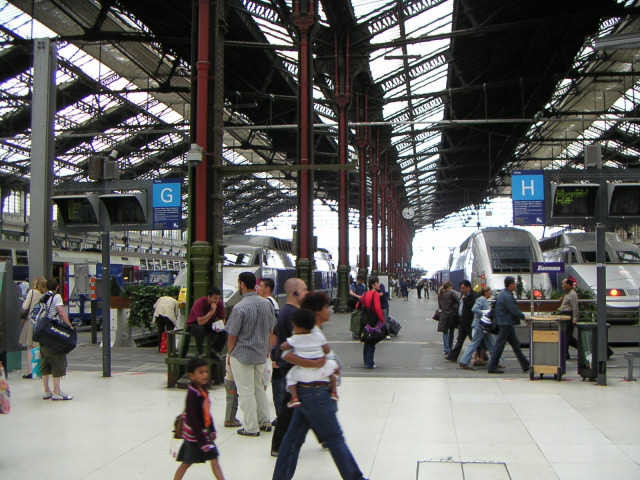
530 187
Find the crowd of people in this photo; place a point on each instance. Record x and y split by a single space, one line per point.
464 310
286 349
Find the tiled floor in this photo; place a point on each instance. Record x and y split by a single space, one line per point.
397 428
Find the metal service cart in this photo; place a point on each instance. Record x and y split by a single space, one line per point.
548 345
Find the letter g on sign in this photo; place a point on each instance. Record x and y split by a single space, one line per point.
166 194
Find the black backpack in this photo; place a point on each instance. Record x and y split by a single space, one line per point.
368 315
40 309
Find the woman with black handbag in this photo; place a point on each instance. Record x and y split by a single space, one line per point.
448 302
26 335
370 302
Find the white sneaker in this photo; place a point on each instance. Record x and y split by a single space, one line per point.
46 395
61 396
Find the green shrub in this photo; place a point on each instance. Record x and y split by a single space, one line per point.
143 298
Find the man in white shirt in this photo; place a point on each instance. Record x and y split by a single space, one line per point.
265 290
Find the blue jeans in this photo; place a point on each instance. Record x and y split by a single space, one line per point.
278 389
318 412
447 338
478 336
368 351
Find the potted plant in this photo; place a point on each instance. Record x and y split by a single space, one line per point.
143 298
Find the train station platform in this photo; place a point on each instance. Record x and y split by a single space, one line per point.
414 417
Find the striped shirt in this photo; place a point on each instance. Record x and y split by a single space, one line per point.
52 303
252 321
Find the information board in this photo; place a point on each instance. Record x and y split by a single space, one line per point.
167 204
527 194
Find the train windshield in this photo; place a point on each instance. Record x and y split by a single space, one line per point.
510 259
589 256
238 258
627 256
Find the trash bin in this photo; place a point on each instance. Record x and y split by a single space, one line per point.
547 346
588 350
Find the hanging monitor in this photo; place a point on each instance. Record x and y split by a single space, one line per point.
624 201
573 201
78 210
127 211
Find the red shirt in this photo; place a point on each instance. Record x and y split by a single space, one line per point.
201 307
373 304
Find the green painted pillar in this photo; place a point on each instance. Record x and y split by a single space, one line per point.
304 267
363 271
343 289
201 255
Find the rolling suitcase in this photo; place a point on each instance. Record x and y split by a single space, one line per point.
393 326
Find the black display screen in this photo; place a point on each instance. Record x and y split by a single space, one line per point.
77 211
574 200
624 200
124 209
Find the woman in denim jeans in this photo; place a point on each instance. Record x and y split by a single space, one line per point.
478 335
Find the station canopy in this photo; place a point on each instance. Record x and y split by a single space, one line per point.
459 94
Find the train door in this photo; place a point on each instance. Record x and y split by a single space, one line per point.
130 274
61 273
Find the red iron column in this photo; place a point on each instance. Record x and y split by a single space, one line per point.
205 183
342 98
362 141
375 169
383 218
305 19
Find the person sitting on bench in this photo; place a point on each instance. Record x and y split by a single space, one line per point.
204 312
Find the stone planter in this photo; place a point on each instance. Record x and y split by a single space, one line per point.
538 305
120 302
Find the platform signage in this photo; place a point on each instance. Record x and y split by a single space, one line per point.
167 204
548 267
527 195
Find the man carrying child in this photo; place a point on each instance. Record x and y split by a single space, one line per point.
308 342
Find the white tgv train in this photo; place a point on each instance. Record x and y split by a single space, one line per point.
487 256
578 252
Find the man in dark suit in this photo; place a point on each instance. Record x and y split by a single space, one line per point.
469 297
507 316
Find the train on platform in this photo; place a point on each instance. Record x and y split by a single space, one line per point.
578 253
268 257
74 270
487 256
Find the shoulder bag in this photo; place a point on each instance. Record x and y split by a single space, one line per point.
372 330
52 333
488 322
25 312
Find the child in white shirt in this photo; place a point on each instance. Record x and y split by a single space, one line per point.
309 342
